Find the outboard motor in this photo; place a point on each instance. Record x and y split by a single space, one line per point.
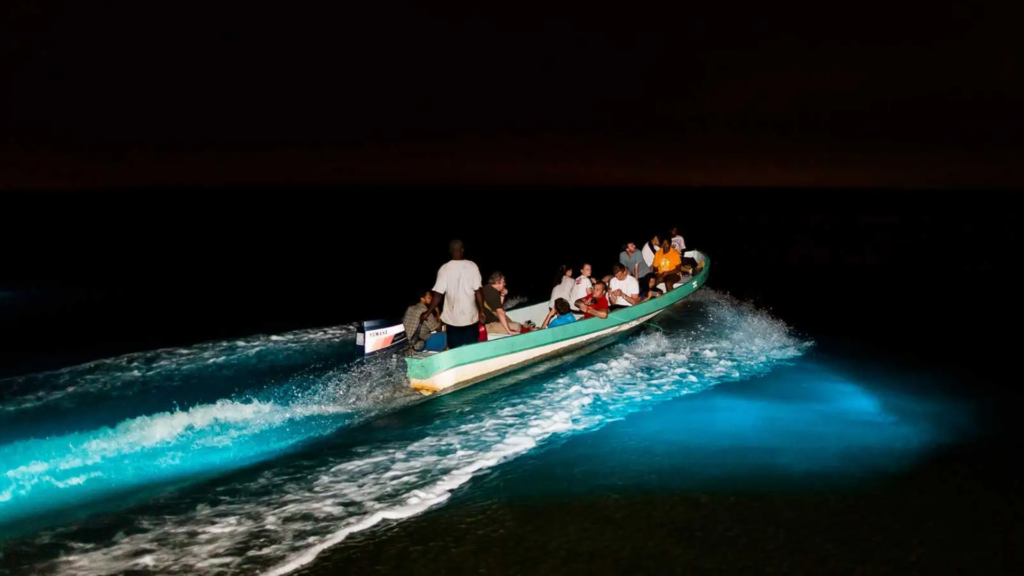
379 335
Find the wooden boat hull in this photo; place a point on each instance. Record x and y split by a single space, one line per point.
437 372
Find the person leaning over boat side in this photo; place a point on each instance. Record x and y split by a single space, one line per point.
583 287
458 286
668 264
427 338
595 305
563 286
564 315
625 290
634 262
494 307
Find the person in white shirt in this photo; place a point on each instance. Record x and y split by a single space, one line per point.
563 286
625 290
458 286
649 250
677 241
583 287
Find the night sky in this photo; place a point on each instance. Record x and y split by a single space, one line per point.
136 95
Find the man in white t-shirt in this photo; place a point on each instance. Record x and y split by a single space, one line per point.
583 287
625 290
458 286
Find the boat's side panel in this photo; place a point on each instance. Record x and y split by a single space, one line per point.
535 313
424 368
477 371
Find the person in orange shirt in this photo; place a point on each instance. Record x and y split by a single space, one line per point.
668 264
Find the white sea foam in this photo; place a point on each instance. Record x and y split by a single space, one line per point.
132 373
283 518
206 437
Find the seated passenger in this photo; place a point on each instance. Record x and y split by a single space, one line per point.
650 290
583 288
595 305
650 249
677 241
668 264
494 307
563 286
564 314
425 338
634 262
625 289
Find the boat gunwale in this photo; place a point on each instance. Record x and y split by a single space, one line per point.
425 367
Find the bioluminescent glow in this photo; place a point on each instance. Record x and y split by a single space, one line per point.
61 469
802 426
281 515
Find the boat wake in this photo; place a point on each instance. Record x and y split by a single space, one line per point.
61 469
279 516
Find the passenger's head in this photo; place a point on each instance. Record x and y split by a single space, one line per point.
426 297
666 245
586 270
673 232
631 247
562 306
457 250
563 273
599 289
496 279
620 271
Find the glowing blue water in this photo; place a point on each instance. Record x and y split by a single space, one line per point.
284 403
280 514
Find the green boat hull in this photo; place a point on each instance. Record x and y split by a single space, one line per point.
441 371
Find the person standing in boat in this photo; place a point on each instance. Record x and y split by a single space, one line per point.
584 286
458 286
595 305
494 307
563 286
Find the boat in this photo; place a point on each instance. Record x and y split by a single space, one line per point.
434 372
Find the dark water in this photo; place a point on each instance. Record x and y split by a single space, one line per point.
858 419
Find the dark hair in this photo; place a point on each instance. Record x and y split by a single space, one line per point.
423 293
618 268
455 245
495 277
561 306
561 274
646 281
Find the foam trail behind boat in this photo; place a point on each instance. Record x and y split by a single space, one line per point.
281 518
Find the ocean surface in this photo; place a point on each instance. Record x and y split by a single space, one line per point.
289 453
